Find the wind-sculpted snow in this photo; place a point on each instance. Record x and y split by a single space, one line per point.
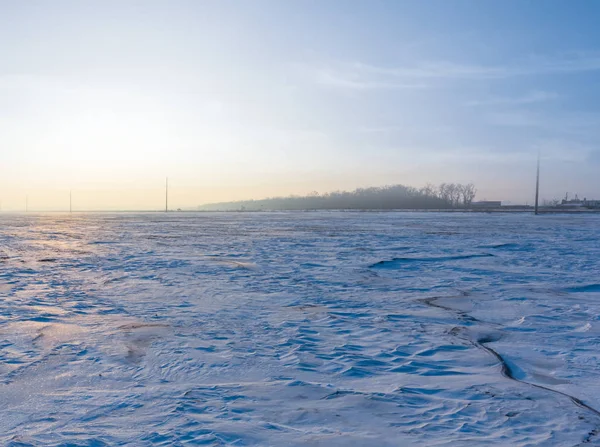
315 329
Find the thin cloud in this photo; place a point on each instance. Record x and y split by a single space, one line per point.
379 129
529 98
347 80
362 76
572 63
574 124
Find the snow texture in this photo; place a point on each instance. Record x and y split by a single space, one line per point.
319 329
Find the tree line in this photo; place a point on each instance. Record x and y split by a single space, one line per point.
443 196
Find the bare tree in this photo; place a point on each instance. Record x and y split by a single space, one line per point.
468 194
385 197
444 192
454 193
429 190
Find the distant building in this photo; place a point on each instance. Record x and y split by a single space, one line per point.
487 204
573 203
577 202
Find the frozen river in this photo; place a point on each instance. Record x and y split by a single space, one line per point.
327 329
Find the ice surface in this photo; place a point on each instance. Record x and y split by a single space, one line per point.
291 329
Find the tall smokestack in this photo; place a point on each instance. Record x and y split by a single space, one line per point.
537 185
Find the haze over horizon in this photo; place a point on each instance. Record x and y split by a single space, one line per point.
237 100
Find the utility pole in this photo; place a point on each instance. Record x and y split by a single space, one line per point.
537 185
26 204
70 201
167 195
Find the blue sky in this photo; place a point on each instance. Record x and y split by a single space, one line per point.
241 99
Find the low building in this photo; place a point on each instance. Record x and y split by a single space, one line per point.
591 203
573 203
487 204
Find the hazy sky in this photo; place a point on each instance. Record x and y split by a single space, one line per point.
246 99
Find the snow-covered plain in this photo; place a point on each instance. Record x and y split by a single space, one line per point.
378 329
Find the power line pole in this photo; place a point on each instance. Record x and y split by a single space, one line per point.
537 185
167 195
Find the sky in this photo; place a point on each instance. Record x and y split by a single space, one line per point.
249 99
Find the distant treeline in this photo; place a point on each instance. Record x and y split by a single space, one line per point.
446 195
